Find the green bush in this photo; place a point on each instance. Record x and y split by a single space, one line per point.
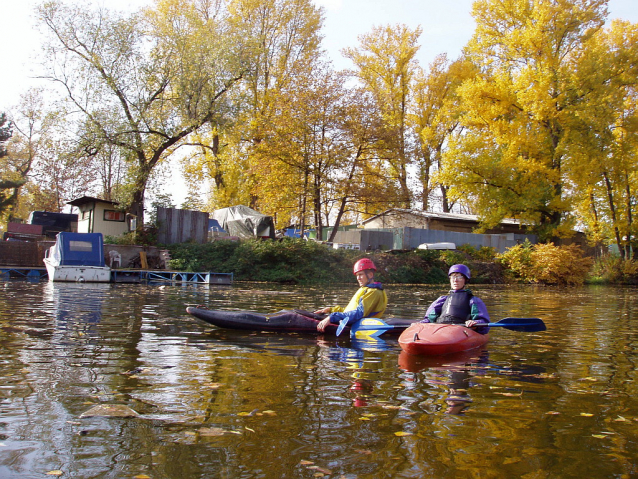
288 260
450 257
146 235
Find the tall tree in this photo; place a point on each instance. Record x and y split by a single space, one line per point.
385 64
146 81
10 179
303 143
285 44
605 182
436 116
511 161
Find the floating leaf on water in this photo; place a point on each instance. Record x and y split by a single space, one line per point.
110 410
363 451
403 433
55 473
211 431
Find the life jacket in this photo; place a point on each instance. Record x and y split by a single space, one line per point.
457 308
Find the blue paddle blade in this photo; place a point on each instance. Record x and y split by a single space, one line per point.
342 325
526 325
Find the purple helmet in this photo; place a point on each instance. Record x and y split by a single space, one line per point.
460 268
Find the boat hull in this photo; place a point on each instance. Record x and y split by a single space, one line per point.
88 274
433 339
282 321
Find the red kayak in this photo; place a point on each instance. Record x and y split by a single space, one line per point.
433 339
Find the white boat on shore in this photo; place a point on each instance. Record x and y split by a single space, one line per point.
77 257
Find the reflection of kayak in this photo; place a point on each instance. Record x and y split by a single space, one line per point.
415 363
284 321
433 339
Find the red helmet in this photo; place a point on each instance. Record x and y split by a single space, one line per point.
363 264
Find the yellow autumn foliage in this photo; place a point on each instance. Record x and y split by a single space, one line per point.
546 263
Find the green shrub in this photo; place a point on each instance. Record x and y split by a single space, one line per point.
484 253
146 235
298 261
450 257
546 263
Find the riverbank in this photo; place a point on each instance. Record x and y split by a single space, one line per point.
295 261
306 262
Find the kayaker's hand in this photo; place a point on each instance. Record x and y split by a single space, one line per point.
321 326
323 310
471 323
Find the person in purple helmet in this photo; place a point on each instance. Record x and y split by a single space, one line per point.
459 306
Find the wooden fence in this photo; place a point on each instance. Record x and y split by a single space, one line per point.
181 226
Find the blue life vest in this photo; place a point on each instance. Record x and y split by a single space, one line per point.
457 308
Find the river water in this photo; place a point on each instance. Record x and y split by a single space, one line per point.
215 403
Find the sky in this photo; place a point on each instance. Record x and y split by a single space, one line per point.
447 26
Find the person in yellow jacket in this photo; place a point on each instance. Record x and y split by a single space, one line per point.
369 301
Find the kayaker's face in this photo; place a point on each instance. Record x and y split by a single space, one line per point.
364 277
457 281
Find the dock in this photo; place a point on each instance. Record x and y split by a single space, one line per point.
21 272
163 276
128 276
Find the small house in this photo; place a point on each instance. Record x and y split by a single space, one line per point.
102 216
401 218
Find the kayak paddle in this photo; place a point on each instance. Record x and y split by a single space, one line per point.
526 325
374 327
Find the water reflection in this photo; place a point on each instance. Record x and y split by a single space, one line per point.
215 403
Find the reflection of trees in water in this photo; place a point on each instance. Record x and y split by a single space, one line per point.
526 399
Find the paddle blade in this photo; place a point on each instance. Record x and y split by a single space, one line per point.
526 325
342 325
369 328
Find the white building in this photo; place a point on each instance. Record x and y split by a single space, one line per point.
102 216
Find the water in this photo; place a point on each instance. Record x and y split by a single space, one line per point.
221 404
